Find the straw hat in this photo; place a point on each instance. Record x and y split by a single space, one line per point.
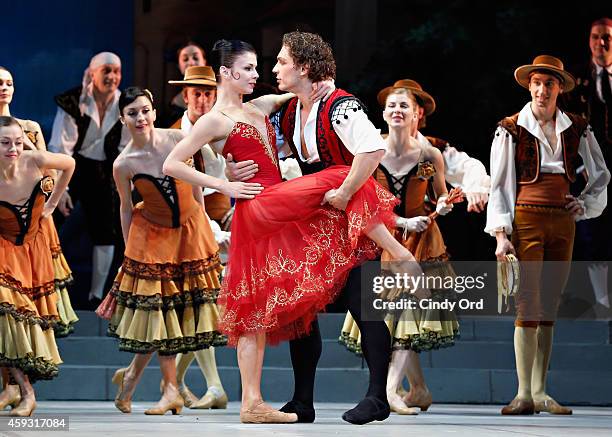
197 76
429 104
545 63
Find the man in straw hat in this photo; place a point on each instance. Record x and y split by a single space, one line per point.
534 157
199 93
87 126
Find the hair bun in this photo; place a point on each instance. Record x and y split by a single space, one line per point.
224 52
221 44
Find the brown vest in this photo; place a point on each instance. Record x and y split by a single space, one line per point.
527 156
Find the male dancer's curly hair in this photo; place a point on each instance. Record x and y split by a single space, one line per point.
309 49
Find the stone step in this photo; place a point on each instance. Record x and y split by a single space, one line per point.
449 385
566 331
76 350
500 355
473 354
471 328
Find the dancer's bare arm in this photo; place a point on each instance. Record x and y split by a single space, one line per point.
122 177
210 128
271 102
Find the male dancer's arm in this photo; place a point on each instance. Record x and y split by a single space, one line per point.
363 140
364 164
500 210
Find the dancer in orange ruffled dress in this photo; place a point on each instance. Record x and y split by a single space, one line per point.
34 140
163 298
28 299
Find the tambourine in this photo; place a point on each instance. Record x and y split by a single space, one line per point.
508 279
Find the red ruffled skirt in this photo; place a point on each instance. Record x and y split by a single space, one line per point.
290 256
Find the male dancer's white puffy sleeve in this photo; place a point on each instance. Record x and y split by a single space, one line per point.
594 197
354 128
64 134
461 170
500 209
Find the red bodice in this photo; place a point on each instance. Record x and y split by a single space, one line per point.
245 142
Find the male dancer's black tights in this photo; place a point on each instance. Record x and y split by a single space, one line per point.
375 344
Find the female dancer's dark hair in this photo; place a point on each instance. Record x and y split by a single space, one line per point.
130 94
225 52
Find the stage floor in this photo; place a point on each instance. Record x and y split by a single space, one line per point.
101 418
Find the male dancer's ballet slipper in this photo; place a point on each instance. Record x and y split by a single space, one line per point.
369 409
551 406
518 407
305 413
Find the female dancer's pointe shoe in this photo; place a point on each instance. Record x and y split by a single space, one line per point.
398 406
213 399
25 408
423 400
123 405
549 405
10 396
176 405
256 414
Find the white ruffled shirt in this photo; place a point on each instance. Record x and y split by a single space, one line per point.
356 132
214 163
502 199
65 135
461 170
